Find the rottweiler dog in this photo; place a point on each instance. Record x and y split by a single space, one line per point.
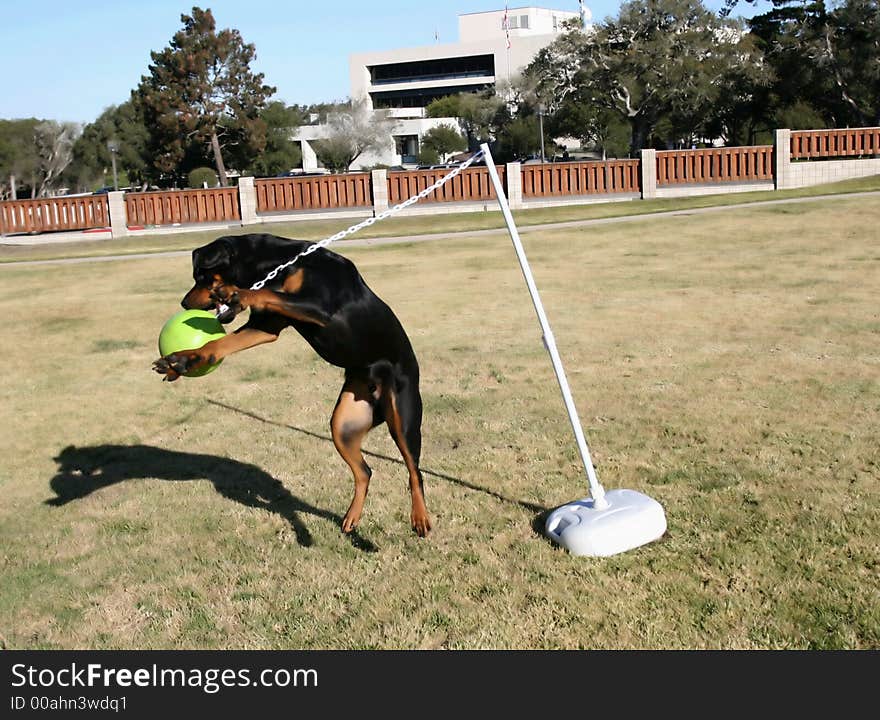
325 299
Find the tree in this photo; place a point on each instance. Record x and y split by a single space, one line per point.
569 114
351 131
593 125
54 142
741 113
800 89
201 91
19 163
124 128
440 142
851 53
478 114
827 61
281 153
658 58
518 138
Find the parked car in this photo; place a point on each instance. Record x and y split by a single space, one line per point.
304 173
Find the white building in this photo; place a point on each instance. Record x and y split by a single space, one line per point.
402 82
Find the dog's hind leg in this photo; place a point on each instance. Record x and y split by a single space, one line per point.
352 419
403 413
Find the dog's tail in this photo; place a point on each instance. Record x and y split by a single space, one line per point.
382 374
394 375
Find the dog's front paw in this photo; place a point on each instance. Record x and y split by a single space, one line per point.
420 521
229 295
180 363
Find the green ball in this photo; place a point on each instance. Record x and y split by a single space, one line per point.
190 330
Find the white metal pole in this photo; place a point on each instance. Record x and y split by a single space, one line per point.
596 490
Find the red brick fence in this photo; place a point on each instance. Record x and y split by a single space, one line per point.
787 163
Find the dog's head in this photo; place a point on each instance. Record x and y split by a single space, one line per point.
214 266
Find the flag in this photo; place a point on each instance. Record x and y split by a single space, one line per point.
505 23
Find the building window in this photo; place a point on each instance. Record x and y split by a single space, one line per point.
407 146
438 69
419 97
524 22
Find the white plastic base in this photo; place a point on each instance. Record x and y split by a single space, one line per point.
630 520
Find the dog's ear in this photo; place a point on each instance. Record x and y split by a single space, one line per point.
218 256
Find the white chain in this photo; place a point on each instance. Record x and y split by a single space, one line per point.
369 221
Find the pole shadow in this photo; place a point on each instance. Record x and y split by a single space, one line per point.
531 507
82 471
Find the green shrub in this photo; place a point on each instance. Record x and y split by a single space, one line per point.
428 156
201 175
441 141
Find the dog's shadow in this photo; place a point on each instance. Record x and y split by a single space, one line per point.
82 471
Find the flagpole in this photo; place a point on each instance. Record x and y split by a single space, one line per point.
505 23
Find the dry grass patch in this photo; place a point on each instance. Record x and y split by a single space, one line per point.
725 365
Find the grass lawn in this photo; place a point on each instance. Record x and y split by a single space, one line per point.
725 364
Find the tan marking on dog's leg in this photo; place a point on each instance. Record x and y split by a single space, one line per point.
293 283
352 419
241 339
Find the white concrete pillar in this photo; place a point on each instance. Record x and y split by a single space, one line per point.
514 185
247 200
309 159
118 218
649 174
782 159
379 180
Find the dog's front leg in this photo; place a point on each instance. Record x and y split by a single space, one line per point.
269 301
180 363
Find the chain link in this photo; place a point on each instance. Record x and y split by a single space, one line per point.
369 221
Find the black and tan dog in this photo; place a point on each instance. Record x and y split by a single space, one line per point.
325 299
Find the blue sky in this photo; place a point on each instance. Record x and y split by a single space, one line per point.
69 60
